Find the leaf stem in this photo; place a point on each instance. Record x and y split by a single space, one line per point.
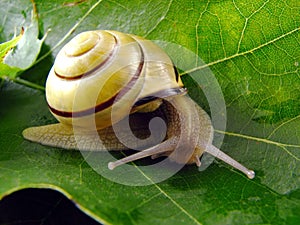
26 83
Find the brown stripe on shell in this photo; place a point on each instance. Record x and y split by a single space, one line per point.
109 102
94 69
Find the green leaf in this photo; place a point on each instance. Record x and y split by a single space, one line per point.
252 48
21 52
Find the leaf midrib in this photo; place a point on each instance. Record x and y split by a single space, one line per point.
263 140
169 197
241 53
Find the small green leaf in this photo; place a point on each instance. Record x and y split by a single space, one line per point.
5 48
23 51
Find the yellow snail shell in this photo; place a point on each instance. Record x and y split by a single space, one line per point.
94 58
122 70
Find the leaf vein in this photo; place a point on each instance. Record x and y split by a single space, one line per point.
160 20
282 124
241 53
197 27
70 31
246 22
170 198
258 139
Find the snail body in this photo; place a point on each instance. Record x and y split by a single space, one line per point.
100 78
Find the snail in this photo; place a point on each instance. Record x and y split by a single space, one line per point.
100 78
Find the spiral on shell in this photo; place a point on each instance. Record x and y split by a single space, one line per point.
104 68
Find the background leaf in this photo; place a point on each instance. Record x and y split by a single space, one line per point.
253 50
